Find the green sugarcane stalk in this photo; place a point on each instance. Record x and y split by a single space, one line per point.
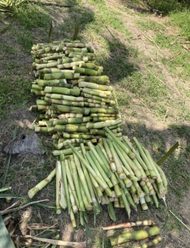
124 158
149 186
62 90
70 182
143 203
111 212
110 156
95 86
116 140
92 66
76 120
147 154
149 166
32 192
136 235
72 199
72 217
86 71
99 93
67 109
89 183
64 97
95 79
87 205
36 87
150 243
70 115
65 183
59 184
98 98
77 184
71 128
61 75
130 199
99 119
63 102
99 159
98 125
37 92
126 203
98 168
82 178
140 193
100 182
106 163
117 161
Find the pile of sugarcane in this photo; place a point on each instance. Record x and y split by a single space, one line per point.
113 173
126 234
74 99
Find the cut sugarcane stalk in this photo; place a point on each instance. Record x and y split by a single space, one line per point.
65 183
32 192
136 235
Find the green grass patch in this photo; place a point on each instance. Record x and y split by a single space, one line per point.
14 90
32 15
182 20
150 25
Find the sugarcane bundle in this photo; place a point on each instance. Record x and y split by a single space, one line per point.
73 97
114 173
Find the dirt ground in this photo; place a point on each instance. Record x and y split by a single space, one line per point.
32 168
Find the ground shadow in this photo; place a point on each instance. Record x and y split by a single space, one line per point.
119 63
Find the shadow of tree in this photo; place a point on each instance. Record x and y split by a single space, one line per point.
118 64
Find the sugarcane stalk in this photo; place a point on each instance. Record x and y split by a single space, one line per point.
116 140
89 184
65 183
32 192
98 169
58 187
95 79
82 178
150 243
117 161
129 168
64 97
95 86
102 183
148 164
72 217
136 235
100 161
77 183
126 203
74 207
103 124
111 212
109 155
70 181
97 93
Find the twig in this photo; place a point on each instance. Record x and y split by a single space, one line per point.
150 39
180 221
59 242
154 75
174 56
7 211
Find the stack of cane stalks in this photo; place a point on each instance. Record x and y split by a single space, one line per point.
74 99
113 173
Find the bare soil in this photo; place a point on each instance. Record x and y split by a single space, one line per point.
26 170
